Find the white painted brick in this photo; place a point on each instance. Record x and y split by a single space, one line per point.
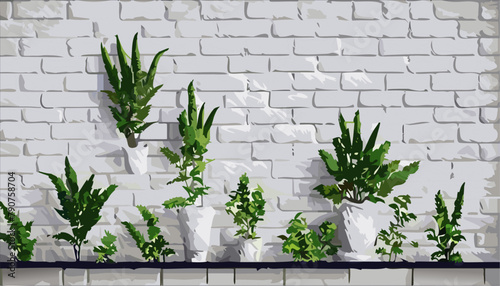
228 169
211 99
316 81
222 46
325 10
304 152
335 98
130 182
489 115
317 46
424 64
293 64
269 116
144 10
80 82
63 29
222 10
163 99
476 64
363 81
20 65
244 64
393 47
93 10
424 276
304 204
477 98
426 133
73 131
381 98
315 116
272 10
380 276
283 133
261 46
63 65
124 276
73 99
191 276
489 81
201 65
269 82
16 131
490 205
5 10
365 28
35 82
422 10
238 28
454 47
489 10
357 63
317 276
17 28
39 10
360 46
476 29
451 10
84 47
294 28
244 133
34 276
490 152
183 10
235 151
367 10
163 29
20 99
41 148
8 47
413 82
396 10
176 47
43 47
42 115
198 29
10 114
456 115
219 83
294 169
429 98
18 164
453 152
454 81
486 46
10 82
290 99
156 131
271 151
248 100
230 116
479 133
265 276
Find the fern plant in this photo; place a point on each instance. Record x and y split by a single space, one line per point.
247 208
448 235
195 131
80 206
157 245
393 237
132 91
361 172
107 248
17 237
307 245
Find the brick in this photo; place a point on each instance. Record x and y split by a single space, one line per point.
272 10
77 82
18 164
176 47
35 82
412 82
304 204
33 276
223 82
73 131
265 276
381 98
8 47
432 64
192 29
39 10
237 28
445 47
75 276
17 28
450 81
20 65
93 10
396 10
283 133
234 151
73 99
294 28
477 98
486 240
200 65
10 114
489 10
294 169
269 116
424 276
222 10
246 64
144 10
380 276
290 99
456 115
367 11
43 47
492 277
422 10
365 28
489 115
426 133
231 116
5 10
42 115
335 98
269 82
325 10
130 182
315 116
486 47
490 152
293 64
453 10
490 205
184 10
248 100
10 82
394 47
303 152
222 46
63 65
124 276
271 151
44 148
261 46
211 100
357 63
438 29
20 99
362 81
479 133
476 64
476 29
488 81
453 152
317 46
224 169
317 276
164 29
220 276
63 29
316 81
192 276
16 131
244 133
84 47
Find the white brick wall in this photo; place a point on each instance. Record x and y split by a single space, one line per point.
281 71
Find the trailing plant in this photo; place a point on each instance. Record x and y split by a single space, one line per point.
79 206
157 245
17 237
107 248
247 208
448 234
132 91
307 245
195 132
361 172
393 237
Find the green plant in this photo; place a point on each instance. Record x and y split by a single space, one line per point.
17 237
196 136
132 92
393 237
448 235
157 244
247 208
307 245
107 249
360 172
80 206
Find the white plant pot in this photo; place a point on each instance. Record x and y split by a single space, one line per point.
195 227
136 159
359 227
250 250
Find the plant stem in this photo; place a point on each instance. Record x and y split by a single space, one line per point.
132 143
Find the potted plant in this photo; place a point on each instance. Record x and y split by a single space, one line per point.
17 237
195 221
247 208
132 92
363 180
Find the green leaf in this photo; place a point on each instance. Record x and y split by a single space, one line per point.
171 155
191 112
175 202
371 141
136 57
397 178
208 123
331 192
331 164
154 65
111 70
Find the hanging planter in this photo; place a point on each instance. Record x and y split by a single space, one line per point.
136 159
195 227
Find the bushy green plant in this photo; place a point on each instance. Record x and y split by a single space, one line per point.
448 235
307 245
132 92
247 208
195 132
157 245
107 248
18 235
360 172
80 206
393 237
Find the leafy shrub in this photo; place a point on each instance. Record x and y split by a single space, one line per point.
247 208
18 235
360 172
107 249
80 206
393 237
448 235
307 245
196 136
157 244
132 92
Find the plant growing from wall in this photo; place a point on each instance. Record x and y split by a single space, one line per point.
307 245
79 206
247 208
107 248
360 172
157 245
17 237
132 91
195 132
393 237
448 234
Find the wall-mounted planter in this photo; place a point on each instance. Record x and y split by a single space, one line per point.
250 249
195 226
136 159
